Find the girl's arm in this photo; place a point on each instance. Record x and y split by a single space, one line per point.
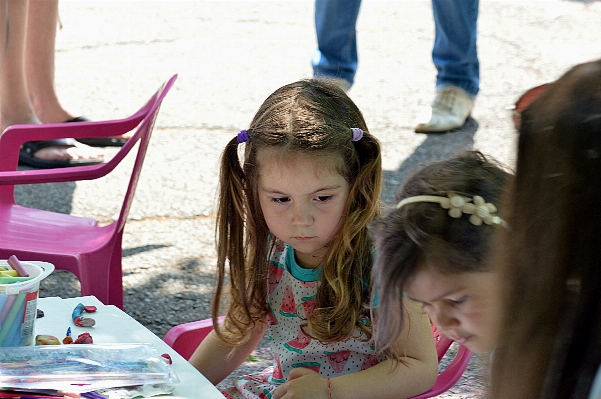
216 360
416 376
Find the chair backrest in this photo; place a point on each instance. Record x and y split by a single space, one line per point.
14 136
454 370
185 338
146 126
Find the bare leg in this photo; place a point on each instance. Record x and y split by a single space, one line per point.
39 61
15 107
15 104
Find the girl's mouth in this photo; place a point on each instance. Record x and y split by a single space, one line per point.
303 239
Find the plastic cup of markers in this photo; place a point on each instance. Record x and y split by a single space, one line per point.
19 305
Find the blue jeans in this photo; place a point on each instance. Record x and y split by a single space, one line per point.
454 52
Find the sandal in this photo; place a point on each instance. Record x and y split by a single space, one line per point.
29 148
98 141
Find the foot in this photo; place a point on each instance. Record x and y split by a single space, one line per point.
77 152
449 110
111 141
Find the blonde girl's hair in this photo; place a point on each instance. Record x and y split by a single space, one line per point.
310 117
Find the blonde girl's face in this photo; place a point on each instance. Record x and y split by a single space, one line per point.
302 199
464 307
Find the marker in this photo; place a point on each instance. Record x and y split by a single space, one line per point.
16 264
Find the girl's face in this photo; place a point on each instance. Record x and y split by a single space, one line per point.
302 199
463 307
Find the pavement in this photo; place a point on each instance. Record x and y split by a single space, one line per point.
230 55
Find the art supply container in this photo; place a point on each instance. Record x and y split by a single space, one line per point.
18 305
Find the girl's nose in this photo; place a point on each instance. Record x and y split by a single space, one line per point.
443 319
301 214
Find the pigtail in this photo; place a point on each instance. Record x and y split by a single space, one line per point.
241 237
343 297
229 235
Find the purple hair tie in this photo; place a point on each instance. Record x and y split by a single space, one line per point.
243 136
357 133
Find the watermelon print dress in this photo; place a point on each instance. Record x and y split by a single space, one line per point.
291 296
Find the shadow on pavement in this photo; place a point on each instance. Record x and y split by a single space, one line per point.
55 197
436 147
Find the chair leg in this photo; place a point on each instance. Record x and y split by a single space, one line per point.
116 275
100 274
94 275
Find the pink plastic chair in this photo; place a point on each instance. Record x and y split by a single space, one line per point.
185 338
77 244
453 372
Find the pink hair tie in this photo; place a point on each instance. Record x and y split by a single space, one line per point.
357 133
243 136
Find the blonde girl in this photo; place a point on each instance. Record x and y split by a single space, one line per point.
294 247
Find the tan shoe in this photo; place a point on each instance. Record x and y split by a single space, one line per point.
449 110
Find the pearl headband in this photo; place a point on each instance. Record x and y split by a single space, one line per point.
480 210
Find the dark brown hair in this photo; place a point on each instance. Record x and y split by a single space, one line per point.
550 343
424 233
315 118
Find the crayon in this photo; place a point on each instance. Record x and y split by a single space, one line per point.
11 280
13 337
16 264
12 317
7 306
3 299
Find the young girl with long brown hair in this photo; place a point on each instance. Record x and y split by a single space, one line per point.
293 242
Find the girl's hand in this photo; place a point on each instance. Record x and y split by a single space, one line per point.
303 383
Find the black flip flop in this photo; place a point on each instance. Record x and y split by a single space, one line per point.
29 148
98 141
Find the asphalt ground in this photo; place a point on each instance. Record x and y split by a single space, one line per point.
230 55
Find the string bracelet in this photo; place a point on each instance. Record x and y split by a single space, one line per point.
329 388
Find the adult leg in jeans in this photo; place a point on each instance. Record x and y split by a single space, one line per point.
455 53
455 56
336 54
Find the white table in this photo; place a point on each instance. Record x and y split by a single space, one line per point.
115 326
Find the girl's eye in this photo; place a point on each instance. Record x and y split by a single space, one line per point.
323 198
280 200
459 301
